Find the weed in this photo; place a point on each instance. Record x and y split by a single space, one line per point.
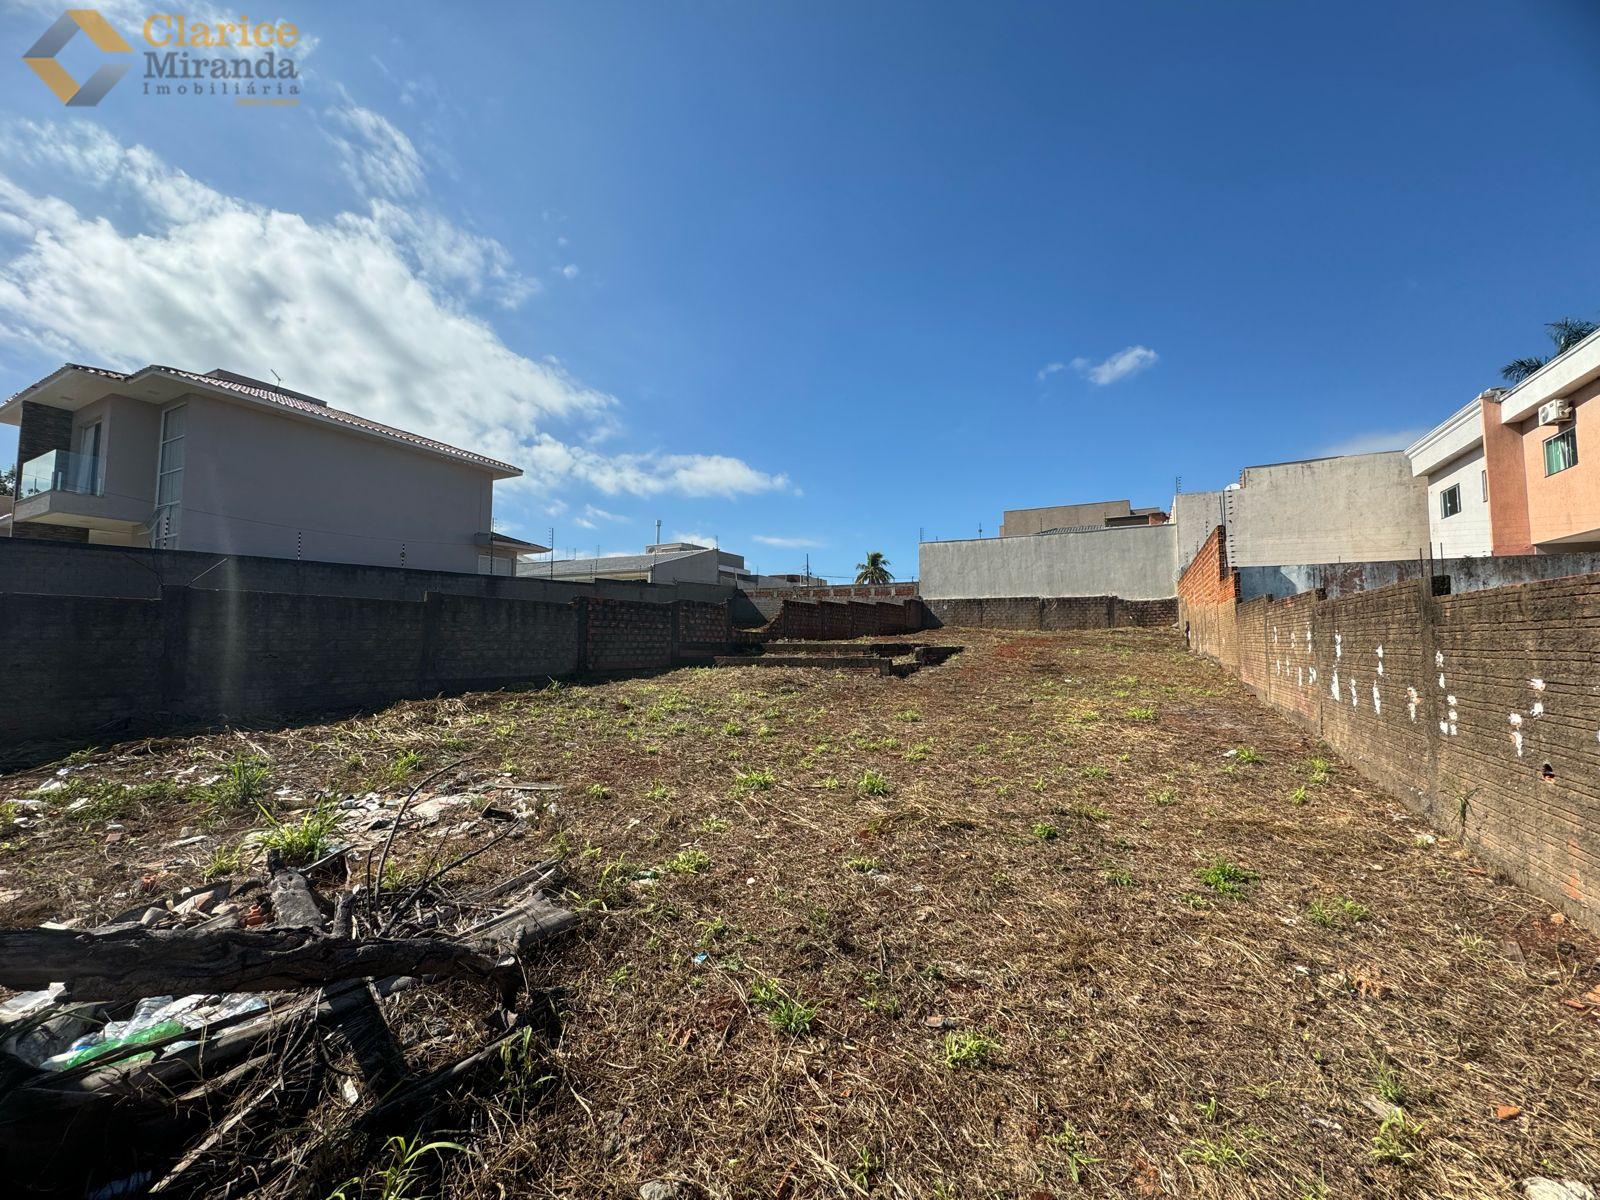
1246 755
715 825
227 860
830 784
1141 712
687 862
786 1013
597 791
908 715
1070 1142
1298 797
1353 909
1390 1085
1318 770
968 1048
755 781
1224 878
1095 773
660 792
918 752
1398 1140
864 1168
1045 831
712 931
1118 877
731 728
861 864
519 1066
1166 797
1091 812
1320 914
400 1173
1221 1153
1195 901
305 840
243 782
872 784
406 762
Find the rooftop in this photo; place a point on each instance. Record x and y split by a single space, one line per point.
155 381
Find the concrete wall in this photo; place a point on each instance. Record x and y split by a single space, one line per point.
51 568
1020 522
91 668
1134 562
1355 508
258 483
1194 515
1468 532
1453 576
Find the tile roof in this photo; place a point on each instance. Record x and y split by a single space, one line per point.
308 407
619 562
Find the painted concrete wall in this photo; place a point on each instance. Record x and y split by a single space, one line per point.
1354 508
1020 522
1133 562
257 483
1565 505
1467 533
1195 514
1468 574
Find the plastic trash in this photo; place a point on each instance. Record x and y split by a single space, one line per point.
103 1045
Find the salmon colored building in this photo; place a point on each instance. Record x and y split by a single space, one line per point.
1518 471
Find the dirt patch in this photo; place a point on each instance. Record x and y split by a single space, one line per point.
1070 914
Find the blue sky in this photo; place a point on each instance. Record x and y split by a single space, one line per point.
815 276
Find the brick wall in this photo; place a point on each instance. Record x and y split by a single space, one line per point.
95 668
1051 612
1480 710
833 620
1207 592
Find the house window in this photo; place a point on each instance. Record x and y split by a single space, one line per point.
169 480
1484 480
1561 452
1450 501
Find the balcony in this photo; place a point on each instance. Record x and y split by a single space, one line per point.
61 471
67 488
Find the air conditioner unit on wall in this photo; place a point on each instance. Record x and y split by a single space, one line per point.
1555 412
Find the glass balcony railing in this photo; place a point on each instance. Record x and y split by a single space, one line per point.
60 471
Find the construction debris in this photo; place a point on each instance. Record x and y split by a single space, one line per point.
164 1051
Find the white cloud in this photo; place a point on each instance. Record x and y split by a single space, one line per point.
376 157
788 543
699 539
366 311
1050 369
570 271
1120 365
1373 442
599 514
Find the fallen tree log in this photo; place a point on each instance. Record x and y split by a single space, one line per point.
129 964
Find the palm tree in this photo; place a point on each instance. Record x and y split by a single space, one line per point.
875 569
1565 333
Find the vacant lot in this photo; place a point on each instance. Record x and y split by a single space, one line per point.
1068 915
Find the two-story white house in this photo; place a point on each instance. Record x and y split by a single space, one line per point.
227 464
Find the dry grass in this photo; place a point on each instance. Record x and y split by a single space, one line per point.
834 951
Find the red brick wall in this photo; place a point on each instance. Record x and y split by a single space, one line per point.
1457 704
1207 593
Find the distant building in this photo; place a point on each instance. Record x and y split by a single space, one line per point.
227 464
1518 471
1096 514
666 562
1349 508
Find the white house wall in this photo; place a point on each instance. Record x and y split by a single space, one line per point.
1467 534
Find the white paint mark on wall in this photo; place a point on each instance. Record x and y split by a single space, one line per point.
1516 740
1444 726
1377 700
1536 684
1333 687
1338 645
1441 681
1438 658
1300 676
1411 702
1515 719
1450 700
1538 708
